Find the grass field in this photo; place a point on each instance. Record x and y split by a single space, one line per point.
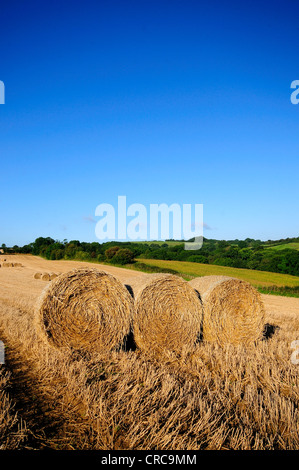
258 278
292 246
161 242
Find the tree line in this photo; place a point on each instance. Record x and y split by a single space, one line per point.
249 253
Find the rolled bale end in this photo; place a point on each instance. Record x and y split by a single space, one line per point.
233 310
85 309
168 315
37 275
52 276
45 277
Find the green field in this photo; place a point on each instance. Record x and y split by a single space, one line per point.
257 278
160 242
292 246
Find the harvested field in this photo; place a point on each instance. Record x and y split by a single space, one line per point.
12 428
230 397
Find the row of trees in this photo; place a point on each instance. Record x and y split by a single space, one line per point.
75 250
251 254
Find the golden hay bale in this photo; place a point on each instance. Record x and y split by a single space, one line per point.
37 275
168 314
45 277
233 310
85 309
52 276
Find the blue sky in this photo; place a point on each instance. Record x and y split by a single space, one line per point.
182 102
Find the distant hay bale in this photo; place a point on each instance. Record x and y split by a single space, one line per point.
168 314
7 265
85 309
37 275
18 265
52 276
45 277
233 310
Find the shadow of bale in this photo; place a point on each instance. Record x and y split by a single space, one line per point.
129 288
269 330
129 342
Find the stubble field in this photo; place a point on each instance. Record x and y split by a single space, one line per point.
211 397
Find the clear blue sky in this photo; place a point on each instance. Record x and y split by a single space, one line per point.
161 101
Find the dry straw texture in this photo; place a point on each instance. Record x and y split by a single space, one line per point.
37 275
168 314
45 277
85 309
233 310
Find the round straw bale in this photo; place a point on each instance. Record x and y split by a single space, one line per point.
168 314
37 275
6 265
233 310
52 276
85 309
45 277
